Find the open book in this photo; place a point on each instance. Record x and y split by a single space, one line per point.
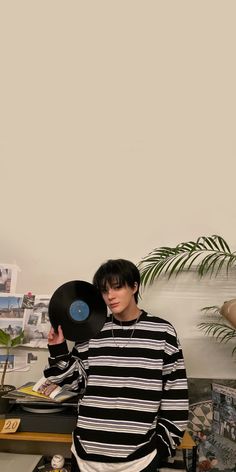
43 390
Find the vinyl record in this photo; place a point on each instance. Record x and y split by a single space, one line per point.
80 310
43 409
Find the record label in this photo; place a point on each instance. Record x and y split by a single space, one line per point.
80 310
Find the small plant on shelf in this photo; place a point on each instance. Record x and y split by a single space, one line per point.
8 342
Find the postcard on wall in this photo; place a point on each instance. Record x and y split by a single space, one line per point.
10 305
224 411
8 277
11 314
36 323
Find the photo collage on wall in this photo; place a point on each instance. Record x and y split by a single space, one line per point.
27 312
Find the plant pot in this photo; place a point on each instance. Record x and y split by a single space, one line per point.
4 402
228 310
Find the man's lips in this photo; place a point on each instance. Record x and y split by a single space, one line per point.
114 305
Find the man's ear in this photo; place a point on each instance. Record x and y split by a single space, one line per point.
135 287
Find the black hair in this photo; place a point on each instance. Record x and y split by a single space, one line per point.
119 271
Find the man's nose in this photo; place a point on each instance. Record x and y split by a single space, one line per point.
110 293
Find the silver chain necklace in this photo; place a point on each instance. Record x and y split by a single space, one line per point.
132 333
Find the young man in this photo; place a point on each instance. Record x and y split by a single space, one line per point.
134 408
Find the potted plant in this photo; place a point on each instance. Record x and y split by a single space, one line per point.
9 342
207 255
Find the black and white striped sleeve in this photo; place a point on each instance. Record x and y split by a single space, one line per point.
173 412
65 368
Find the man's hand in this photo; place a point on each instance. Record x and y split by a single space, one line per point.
55 338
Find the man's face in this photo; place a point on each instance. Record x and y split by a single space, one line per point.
119 299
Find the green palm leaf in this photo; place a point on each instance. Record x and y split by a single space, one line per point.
214 310
207 255
212 252
221 330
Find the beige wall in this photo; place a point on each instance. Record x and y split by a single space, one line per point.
117 135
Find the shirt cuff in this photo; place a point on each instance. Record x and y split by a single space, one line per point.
58 349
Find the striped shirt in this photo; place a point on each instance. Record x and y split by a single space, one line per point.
134 385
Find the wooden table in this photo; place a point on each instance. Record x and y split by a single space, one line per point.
187 441
54 442
35 443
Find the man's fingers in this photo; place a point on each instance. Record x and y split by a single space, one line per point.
60 332
51 333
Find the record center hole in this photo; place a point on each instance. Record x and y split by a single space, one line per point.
79 310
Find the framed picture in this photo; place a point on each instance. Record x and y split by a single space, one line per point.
8 278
